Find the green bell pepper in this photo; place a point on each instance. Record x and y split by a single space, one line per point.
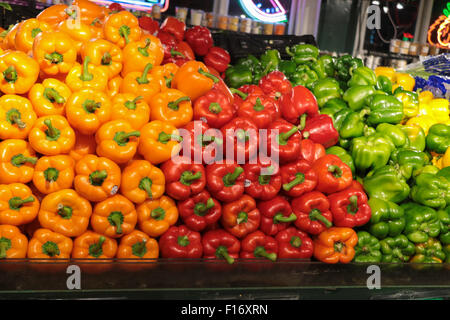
386 183
287 67
430 251
384 84
250 61
349 124
367 250
325 90
444 172
410 102
304 76
422 222
270 60
407 161
396 134
371 152
431 191
356 96
397 249
444 219
416 136
387 220
303 53
362 76
345 66
343 155
237 76
328 64
319 68
438 138
384 109
332 106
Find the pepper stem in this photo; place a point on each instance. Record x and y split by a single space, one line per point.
336 171
116 219
85 75
264 179
96 250
19 159
164 137
51 249
299 179
215 108
146 185
187 177
302 124
230 178
65 212
10 74
158 213
353 206
143 78
139 249
201 208
54 58
222 252
258 105
242 217
122 138
289 52
279 217
90 105
53 96
339 246
296 242
16 202
52 132
284 137
5 245
144 50
51 174
175 53
208 75
131 105
106 59
261 252
174 104
97 177
316 214
124 32
239 93
13 116
183 241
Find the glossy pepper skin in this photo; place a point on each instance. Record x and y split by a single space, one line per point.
171 106
200 40
384 84
259 245
17 161
422 222
217 58
13 244
345 66
137 245
219 244
49 97
200 211
104 53
431 190
275 84
335 245
156 216
131 108
349 124
302 53
349 208
304 76
16 117
84 145
311 151
54 173
241 139
298 178
269 62
87 75
333 174
371 152
343 155
262 110
122 28
429 252
416 136
367 249
183 178
238 75
213 108
386 183
409 161
284 141
53 14
397 135
320 129
92 245
180 242
396 249
387 219
296 103
136 55
264 179
18 72
294 244
175 27
356 96
144 84
276 215
65 212
438 138
202 143
50 245
241 216
326 90
384 109
362 76
18 205
410 102
313 212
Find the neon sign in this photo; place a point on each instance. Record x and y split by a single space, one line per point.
141 5
439 32
267 11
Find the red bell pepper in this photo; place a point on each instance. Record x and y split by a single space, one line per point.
200 39
241 139
296 103
219 244
276 215
199 211
225 181
262 110
284 140
185 49
217 58
115 7
241 216
294 244
262 178
356 185
183 178
333 174
250 89
169 43
275 84
149 25
313 212
311 151
298 178
320 129
175 27
350 208
214 108
180 242
221 85
259 245
202 143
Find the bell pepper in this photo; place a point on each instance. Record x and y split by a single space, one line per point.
137 245
270 60
17 161
287 67
219 244
13 244
146 23
26 33
259 245
387 72
96 28
16 117
92 245
367 249
262 178
303 53
335 245
345 66
333 174
66 212
165 74
387 219
440 109
49 97
396 249
214 108
276 215
90 10
200 40
18 72
343 155
410 102
298 178
349 208
362 76
371 152
53 173
238 75
122 28
241 216
444 219
181 242
294 244
386 183
311 151
438 138
104 53
313 212
284 141
405 81
298 102
326 90
114 86
384 109
415 135
159 141
171 106
320 129
202 143
262 110
408 161
84 145
275 84
50 245
96 178
18 206
53 14
142 84
395 133
155 217
199 211
225 181
304 76
349 124
241 139
429 252
87 76
431 190
217 58
79 32
319 68
356 96
384 84
130 108
137 55
175 27
422 222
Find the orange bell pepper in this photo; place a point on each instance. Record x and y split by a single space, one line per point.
122 28
159 141
114 86
13 244
79 32
49 97
171 106
87 75
52 135
165 74
18 205
96 27
65 212
106 54
114 217
90 11
26 33
136 55
194 79
141 181
130 108
137 245
17 161
87 110
156 216
117 140
92 245
53 15
16 117
9 42
96 178
141 84
84 144
55 53
18 72
47 244
335 245
53 173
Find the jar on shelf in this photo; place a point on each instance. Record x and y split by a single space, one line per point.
246 25
222 22
395 46
209 19
156 12
256 27
233 23
424 50
280 28
181 13
268 29
196 17
414 49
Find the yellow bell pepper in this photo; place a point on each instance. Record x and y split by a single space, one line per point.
387 72
425 96
404 80
440 108
423 121
446 159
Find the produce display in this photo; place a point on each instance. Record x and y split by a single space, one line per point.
125 138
